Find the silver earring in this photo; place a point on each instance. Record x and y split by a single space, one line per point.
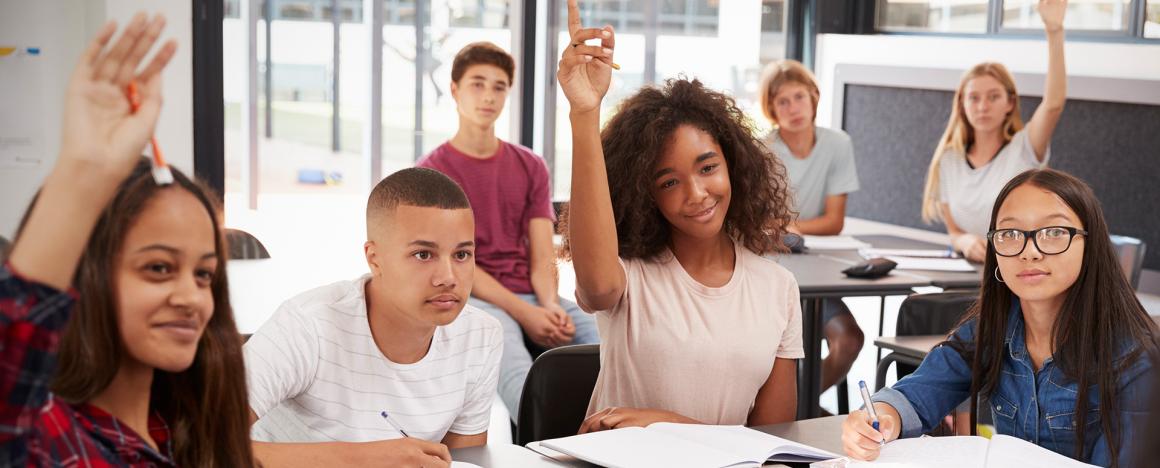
997 278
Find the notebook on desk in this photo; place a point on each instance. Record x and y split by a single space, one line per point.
669 444
968 452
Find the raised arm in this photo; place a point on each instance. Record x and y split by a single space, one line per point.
101 141
1046 116
584 74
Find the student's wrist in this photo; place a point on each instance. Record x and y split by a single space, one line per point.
585 115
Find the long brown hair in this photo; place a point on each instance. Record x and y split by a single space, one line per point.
959 134
205 406
1100 314
639 134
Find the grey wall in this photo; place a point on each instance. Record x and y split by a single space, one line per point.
1113 146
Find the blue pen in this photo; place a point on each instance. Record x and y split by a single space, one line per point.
392 423
870 409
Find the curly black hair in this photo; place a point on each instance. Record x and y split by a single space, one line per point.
639 134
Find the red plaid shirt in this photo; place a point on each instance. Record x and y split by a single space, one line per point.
36 427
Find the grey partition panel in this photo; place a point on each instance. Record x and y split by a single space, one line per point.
1113 146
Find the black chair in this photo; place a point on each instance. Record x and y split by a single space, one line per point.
4 244
244 246
931 314
556 393
1130 252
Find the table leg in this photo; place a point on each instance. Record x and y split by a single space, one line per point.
812 370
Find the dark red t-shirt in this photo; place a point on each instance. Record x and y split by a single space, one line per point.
506 191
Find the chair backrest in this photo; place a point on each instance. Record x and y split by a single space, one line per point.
931 314
1130 252
244 246
3 248
556 393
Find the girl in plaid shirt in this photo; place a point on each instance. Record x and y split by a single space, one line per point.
117 342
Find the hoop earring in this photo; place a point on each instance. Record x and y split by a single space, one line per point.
997 278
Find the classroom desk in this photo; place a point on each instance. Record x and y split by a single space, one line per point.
904 349
819 277
504 455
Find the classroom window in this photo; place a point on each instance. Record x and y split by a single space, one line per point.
478 13
1091 15
751 31
959 16
1152 19
683 17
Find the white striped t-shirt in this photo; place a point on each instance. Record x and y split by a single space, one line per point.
315 374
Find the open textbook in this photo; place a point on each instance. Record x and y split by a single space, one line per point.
684 445
968 452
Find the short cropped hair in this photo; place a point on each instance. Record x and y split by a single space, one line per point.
482 53
415 186
779 73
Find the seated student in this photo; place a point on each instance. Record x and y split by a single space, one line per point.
116 333
985 143
673 206
820 163
1057 332
400 340
507 185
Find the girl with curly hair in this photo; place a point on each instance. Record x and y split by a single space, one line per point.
673 206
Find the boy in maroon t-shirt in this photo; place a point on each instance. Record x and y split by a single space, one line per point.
509 191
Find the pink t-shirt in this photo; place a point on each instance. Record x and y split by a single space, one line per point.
506 191
675 344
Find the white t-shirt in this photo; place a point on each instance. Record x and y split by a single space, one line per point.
828 170
316 375
971 192
675 344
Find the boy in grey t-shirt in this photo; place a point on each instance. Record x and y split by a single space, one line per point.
820 163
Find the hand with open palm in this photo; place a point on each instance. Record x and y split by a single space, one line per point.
1052 13
585 71
99 128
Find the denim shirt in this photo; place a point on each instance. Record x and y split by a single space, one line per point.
1038 407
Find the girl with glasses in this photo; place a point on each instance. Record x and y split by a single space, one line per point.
1058 343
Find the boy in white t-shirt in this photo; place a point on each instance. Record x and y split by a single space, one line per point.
391 368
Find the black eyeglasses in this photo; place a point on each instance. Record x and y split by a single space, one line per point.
1051 240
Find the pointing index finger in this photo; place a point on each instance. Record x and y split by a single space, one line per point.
573 17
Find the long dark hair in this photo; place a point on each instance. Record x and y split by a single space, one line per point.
639 135
205 406
1100 313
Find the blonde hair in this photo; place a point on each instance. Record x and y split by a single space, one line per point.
959 134
779 73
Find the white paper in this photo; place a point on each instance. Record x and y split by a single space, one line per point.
932 264
834 243
920 253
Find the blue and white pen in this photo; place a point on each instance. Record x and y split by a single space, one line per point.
869 409
400 429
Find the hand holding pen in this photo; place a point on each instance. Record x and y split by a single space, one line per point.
866 431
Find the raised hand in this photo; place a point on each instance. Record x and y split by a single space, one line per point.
98 124
1052 13
585 71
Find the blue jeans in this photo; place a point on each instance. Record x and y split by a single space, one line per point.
516 359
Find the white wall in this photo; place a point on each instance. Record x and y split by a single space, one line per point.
61 29
1094 59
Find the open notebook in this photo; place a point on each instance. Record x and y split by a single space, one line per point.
669 444
968 452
